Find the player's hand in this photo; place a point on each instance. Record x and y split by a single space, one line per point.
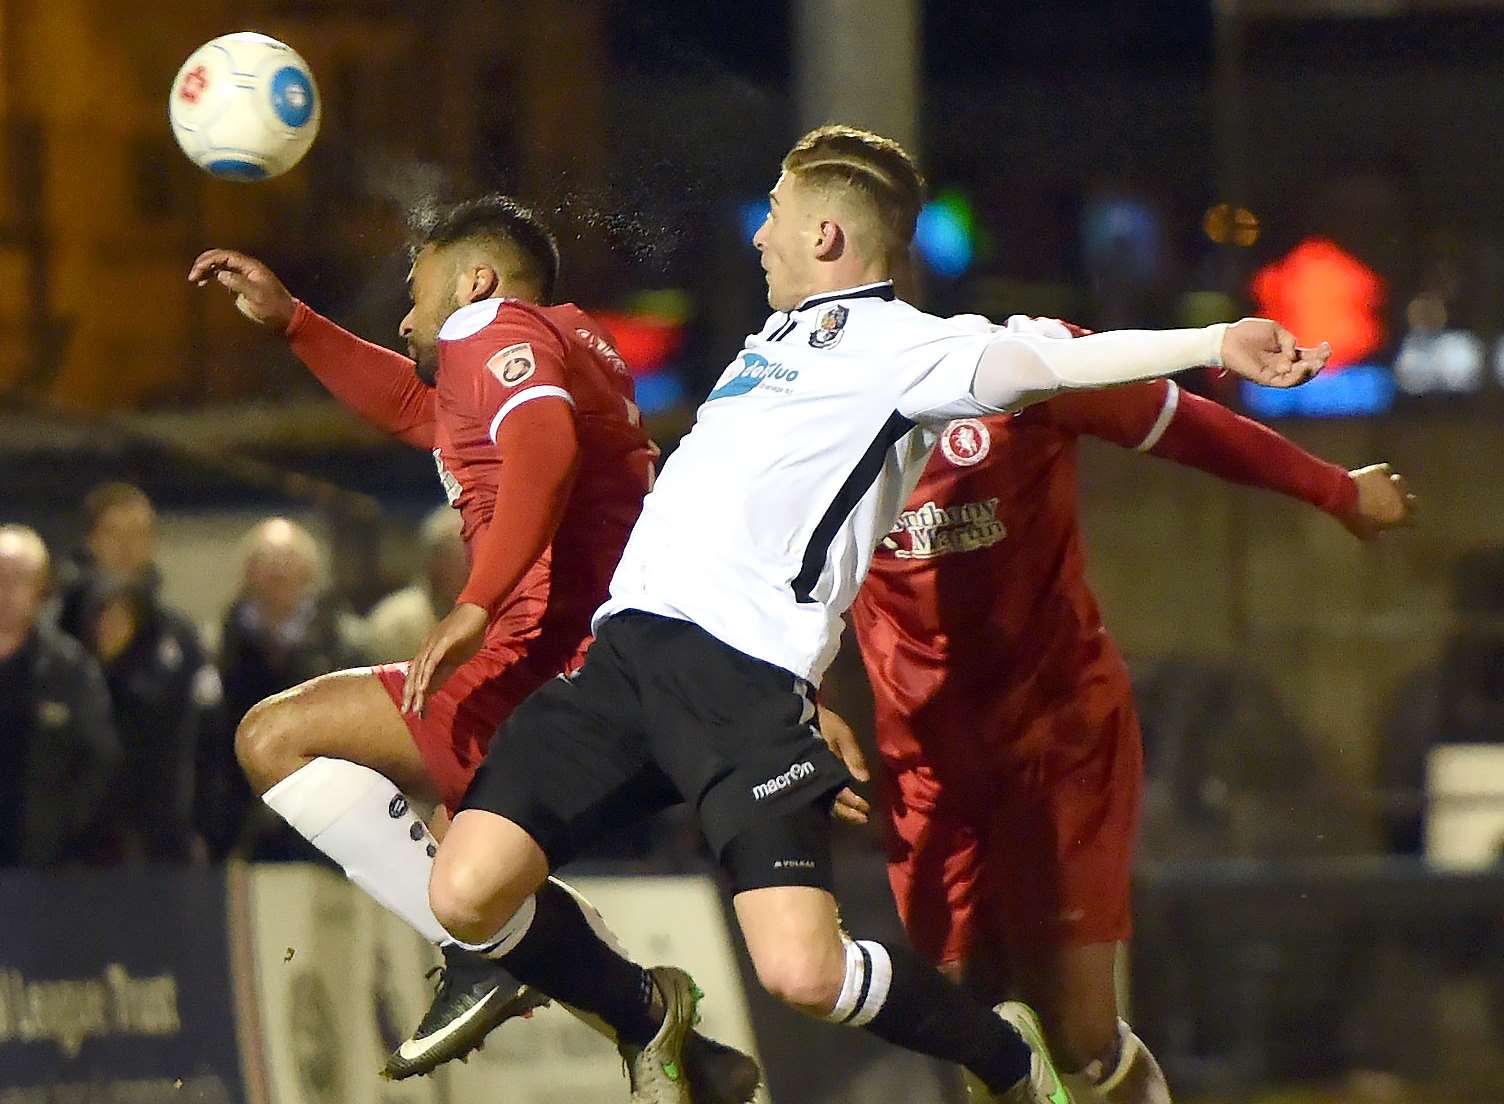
850 806
1384 502
448 645
259 295
1265 352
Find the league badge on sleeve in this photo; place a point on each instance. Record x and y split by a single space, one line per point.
513 364
829 327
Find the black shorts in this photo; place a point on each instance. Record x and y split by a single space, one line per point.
661 712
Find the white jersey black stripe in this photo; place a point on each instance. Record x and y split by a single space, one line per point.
762 524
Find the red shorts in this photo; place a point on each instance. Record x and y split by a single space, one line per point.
1032 851
461 718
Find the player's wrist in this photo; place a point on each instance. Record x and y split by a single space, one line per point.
1216 337
296 319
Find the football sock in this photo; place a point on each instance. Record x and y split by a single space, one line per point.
553 944
362 821
893 994
1128 1075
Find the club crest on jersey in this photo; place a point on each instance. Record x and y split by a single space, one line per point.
513 364
965 442
829 327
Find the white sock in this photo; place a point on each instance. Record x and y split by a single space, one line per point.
1135 1078
864 990
362 821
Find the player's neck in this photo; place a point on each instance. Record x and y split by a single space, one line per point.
844 275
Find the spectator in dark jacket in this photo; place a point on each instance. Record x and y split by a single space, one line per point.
282 630
163 690
58 750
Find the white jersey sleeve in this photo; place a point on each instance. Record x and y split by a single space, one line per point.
939 365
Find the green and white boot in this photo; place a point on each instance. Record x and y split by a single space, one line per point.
656 1071
1044 1085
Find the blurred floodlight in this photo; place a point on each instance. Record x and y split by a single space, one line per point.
945 234
1229 225
1320 292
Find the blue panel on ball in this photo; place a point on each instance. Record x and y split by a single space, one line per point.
292 96
232 168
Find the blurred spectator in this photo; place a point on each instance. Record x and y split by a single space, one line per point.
282 630
163 691
1457 700
398 623
1229 773
58 750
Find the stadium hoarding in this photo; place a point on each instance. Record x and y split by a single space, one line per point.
284 984
113 989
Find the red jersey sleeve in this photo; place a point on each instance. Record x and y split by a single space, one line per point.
378 384
512 374
516 359
539 451
1207 435
1161 418
1124 415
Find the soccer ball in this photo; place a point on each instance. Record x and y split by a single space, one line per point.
244 107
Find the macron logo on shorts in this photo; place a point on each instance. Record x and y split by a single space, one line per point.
780 782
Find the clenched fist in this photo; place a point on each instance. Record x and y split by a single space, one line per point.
1384 502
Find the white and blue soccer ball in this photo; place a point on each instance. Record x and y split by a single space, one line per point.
244 107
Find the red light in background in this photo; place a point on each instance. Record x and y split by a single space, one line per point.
1320 292
645 342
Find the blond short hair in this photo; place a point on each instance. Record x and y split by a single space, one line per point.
877 171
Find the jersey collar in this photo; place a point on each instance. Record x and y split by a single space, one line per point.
883 289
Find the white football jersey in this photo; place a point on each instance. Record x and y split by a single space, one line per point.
763 522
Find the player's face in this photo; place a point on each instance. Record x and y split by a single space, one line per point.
787 241
430 286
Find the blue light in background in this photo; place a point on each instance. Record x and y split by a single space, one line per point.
943 236
1352 391
751 215
659 392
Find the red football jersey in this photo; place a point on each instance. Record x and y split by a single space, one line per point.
495 356
977 627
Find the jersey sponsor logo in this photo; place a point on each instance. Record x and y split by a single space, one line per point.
965 442
756 371
780 782
603 349
513 364
934 530
829 327
447 480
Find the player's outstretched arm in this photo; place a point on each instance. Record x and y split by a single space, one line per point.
375 382
1016 370
1205 434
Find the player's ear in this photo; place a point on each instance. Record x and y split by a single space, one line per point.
830 240
477 282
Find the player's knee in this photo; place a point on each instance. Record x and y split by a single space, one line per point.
469 900
804 978
266 742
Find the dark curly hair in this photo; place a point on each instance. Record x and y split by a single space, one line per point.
497 218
